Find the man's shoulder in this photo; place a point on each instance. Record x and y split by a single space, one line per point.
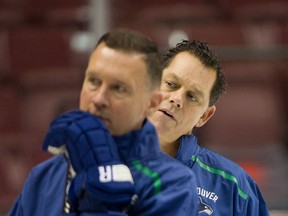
224 170
217 164
50 168
216 160
167 167
44 188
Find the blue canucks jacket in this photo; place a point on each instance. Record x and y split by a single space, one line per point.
164 186
224 188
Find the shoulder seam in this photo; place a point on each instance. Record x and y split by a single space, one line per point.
153 175
222 173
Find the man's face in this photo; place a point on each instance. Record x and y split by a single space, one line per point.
116 89
186 86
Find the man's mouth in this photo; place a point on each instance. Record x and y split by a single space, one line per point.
167 112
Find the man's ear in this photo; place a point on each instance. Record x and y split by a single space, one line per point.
155 100
206 116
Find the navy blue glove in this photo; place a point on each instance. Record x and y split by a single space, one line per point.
101 178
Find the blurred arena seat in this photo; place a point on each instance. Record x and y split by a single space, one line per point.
250 112
10 100
58 12
34 48
12 13
4 54
261 11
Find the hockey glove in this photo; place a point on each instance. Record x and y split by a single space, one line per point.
101 177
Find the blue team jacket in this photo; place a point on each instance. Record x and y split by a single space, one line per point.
164 186
224 188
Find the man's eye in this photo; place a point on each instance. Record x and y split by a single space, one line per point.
118 88
170 84
191 97
93 80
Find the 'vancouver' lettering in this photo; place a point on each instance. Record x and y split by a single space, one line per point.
207 194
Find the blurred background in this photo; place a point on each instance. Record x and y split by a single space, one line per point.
45 46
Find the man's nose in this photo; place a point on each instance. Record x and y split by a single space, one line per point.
176 101
101 98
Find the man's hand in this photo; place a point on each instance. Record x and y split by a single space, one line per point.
101 177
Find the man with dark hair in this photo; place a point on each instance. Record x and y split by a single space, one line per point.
108 158
192 82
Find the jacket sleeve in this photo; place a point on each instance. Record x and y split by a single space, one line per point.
16 208
256 204
177 197
180 201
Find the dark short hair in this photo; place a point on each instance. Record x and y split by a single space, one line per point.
135 42
207 58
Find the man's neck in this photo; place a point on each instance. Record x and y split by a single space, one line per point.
171 148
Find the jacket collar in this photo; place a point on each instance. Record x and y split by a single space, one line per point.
187 148
139 143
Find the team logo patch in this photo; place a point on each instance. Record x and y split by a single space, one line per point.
203 207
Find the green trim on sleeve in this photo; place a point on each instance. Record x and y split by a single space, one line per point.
222 173
151 174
